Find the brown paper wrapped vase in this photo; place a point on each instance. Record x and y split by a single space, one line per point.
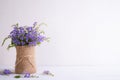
25 60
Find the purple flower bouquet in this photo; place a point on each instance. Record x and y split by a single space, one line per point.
26 36
25 39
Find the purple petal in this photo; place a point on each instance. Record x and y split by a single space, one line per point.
27 75
46 72
35 23
6 71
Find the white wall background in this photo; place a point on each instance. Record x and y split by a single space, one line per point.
83 32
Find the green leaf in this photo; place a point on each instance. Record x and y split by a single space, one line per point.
47 39
43 24
10 46
37 28
5 40
38 43
18 76
15 25
34 76
42 32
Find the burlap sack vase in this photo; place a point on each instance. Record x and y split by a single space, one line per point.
25 60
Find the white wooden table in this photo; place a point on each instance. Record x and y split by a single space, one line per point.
72 73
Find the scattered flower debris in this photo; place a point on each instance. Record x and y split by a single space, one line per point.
47 72
27 75
7 71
